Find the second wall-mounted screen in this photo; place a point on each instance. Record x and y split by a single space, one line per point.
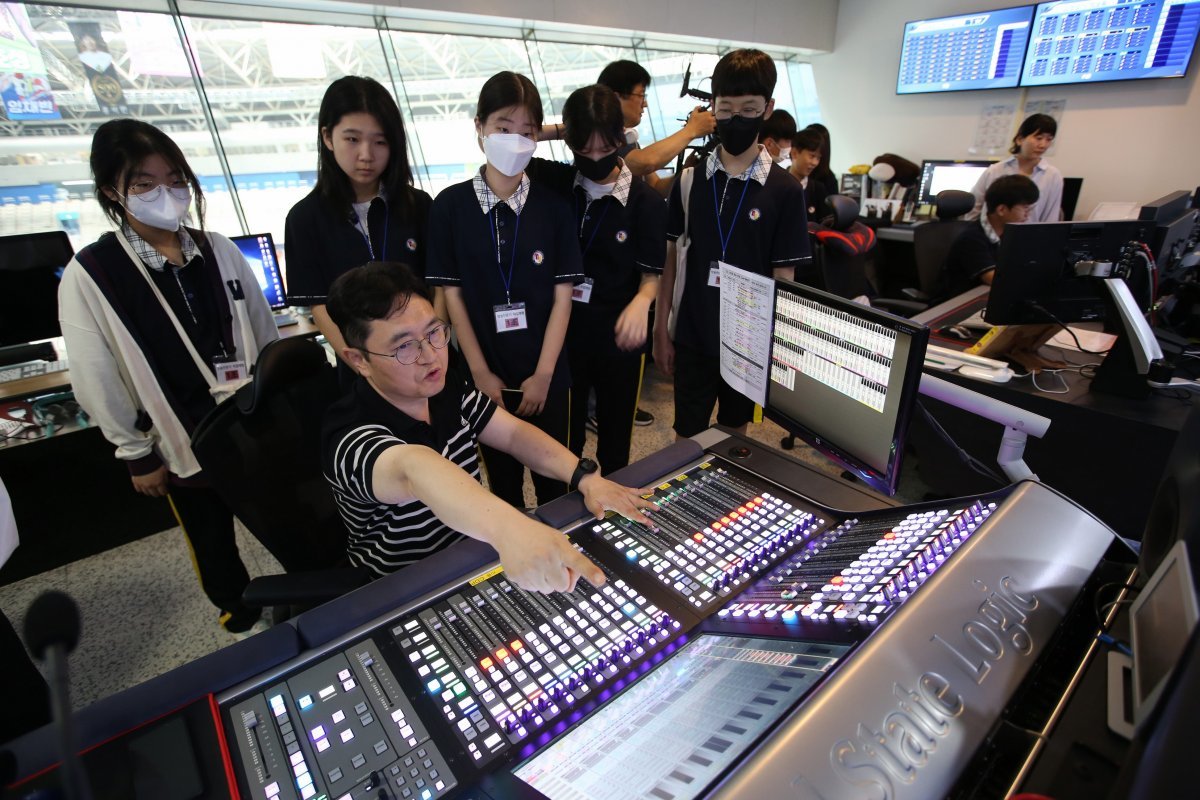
972 51
1086 41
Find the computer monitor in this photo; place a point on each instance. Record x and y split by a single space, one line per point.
31 266
1175 224
844 378
982 50
1070 196
1036 278
939 174
1110 40
260 254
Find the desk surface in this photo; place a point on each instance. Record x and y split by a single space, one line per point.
61 381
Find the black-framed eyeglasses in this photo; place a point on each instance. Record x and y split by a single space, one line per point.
638 95
409 351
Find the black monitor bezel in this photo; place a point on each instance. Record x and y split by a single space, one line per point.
275 252
1019 280
922 193
887 481
1024 62
904 36
52 329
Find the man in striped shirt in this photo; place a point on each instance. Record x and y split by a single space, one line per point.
400 449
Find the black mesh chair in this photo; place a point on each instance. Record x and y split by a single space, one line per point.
841 249
260 449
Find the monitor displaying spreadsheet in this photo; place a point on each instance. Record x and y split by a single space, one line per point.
983 50
1088 41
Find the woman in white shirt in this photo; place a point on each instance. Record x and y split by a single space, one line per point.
1033 139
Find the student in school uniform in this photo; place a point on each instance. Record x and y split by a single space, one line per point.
824 170
805 159
744 211
364 206
505 250
776 135
163 321
621 224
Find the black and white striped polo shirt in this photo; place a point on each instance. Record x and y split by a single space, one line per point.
384 537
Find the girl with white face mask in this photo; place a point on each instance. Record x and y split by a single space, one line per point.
506 252
162 320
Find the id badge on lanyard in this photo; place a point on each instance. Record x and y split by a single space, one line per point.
582 292
510 317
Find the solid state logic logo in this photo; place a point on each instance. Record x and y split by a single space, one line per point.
755 214
888 752
412 245
622 236
538 257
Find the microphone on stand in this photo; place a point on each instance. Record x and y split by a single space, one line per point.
51 633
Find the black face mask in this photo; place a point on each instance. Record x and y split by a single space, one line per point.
595 169
737 133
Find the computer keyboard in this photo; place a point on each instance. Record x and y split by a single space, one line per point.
30 369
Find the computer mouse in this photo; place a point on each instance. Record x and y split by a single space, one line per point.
956 332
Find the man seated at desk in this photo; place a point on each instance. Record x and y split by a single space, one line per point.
400 449
972 256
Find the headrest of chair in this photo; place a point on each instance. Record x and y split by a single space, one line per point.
953 203
854 240
280 364
843 211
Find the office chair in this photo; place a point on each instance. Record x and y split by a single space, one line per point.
841 247
260 449
931 246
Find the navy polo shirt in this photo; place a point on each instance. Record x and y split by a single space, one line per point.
766 230
321 243
620 243
538 251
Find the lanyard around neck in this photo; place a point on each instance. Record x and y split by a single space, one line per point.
718 207
596 228
364 229
512 261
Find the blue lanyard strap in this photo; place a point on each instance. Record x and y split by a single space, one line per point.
595 229
736 214
364 228
512 261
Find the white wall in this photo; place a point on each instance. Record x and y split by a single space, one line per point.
1128 141
783 23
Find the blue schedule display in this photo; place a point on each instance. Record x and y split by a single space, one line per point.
1085 41
972 51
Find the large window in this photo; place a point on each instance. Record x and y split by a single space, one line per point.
250 130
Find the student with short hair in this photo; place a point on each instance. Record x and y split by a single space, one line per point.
364 206
972 257
621 223
776 135
743 210
824 171
399 449
1029 147
505 250
806 157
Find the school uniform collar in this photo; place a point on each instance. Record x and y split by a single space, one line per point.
988 230
758 170
620 190
154 259
488 199
381 195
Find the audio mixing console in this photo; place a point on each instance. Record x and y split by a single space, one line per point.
715 625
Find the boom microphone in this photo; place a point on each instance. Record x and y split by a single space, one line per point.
51 633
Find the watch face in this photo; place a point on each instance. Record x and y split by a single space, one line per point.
587 465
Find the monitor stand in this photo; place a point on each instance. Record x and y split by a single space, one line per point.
20 353
1126 366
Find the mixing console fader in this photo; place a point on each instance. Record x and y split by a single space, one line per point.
860 570
714 529
501 662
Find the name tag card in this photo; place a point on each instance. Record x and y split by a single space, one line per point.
510 317
582 292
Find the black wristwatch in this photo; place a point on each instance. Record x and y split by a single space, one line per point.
586 467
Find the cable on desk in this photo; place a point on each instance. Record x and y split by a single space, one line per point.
1101 610
1066 328
966 457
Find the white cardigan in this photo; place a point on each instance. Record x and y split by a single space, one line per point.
113 381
